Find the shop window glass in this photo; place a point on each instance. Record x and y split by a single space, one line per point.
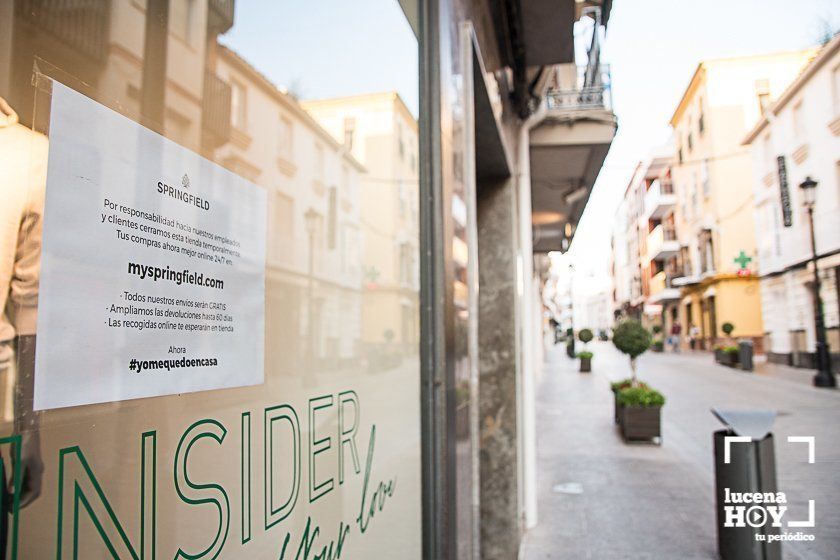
204 319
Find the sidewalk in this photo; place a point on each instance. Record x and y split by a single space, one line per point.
602 499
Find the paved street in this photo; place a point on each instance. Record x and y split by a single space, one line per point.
602 499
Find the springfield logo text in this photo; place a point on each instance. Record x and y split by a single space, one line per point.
183 195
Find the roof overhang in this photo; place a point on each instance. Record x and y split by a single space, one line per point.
567 151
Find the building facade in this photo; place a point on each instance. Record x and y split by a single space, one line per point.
643 239
314 208
377 315
798 137
380 131
711 175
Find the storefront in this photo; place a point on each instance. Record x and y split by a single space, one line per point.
242 248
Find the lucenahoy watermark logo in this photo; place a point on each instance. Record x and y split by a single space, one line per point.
757 509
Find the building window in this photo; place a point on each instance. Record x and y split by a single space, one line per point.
704 178
406 262
284 139
706 247
695 200
690 142
238 105
837 177
403 198
319 163
762 92
701 124
679 154
284 214
182 14
349 130
835 87
332 218
798 121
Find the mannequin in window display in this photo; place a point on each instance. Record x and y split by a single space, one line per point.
23 157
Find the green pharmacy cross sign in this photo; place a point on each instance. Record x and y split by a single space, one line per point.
742 260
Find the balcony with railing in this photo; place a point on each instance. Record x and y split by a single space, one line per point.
659 199
577 90
220 15
215 111
570 139
662 243
82 25
662 289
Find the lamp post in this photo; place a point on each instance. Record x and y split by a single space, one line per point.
824 377
311 217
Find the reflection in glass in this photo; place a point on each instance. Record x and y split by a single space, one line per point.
338 159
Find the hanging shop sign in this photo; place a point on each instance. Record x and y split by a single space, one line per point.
152 268
784 192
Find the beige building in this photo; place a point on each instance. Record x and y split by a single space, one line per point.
712 178
104 45
799 137
314 228
380 131
643 240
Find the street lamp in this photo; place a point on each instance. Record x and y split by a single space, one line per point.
824 377
311 217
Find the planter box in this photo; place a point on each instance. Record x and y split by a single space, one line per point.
616 407
730 359
719 356
585 365
641 423
657 346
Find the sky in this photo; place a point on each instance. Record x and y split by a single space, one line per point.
653 48
327 48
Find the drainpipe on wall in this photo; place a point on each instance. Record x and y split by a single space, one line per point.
529 326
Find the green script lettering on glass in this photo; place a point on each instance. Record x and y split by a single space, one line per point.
202 493
274 416
316 447
347 436
78 486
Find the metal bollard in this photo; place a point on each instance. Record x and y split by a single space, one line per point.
745 354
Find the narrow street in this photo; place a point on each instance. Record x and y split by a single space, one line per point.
604 499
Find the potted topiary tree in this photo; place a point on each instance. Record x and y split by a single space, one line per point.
727 354
631 338
641 413
585 356
639 405
658 342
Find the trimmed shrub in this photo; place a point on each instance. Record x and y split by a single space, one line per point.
641 397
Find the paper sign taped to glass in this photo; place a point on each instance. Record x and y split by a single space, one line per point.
152 267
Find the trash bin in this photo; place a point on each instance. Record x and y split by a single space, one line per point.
743 528
745 354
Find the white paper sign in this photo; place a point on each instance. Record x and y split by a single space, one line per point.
152 267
